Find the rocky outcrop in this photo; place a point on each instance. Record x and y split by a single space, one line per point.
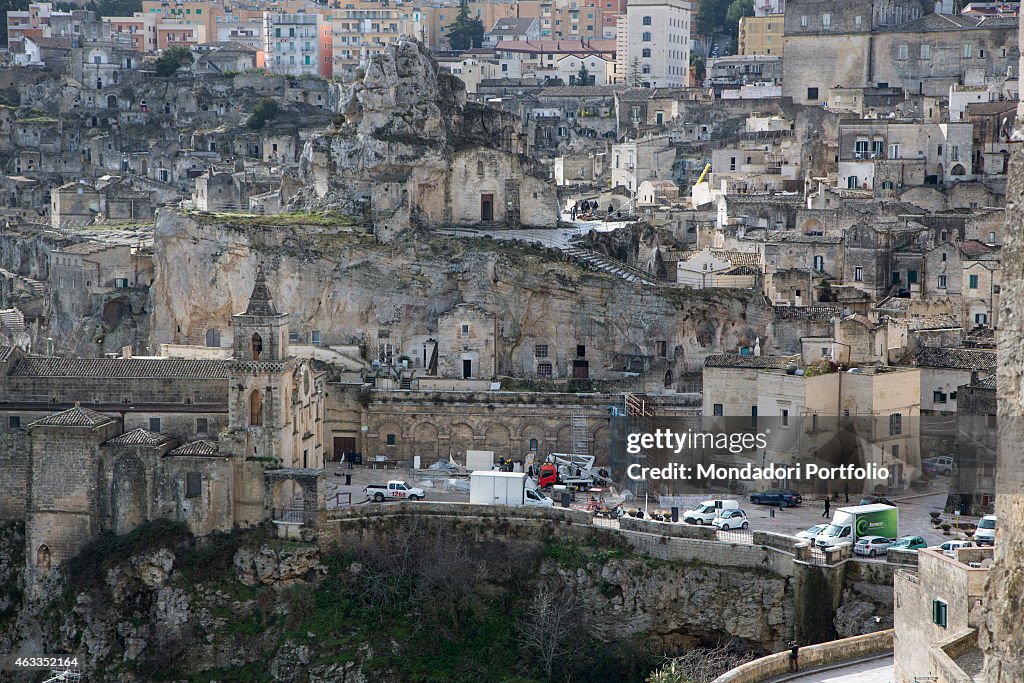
350 287
411 151
681 605
269 567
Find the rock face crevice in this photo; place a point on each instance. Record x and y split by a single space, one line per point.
409 150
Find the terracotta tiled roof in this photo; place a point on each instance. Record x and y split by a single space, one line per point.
139 437
735 360
136 368
959 359
73 417
197 448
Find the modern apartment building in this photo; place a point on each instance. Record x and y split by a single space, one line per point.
291 43
657 41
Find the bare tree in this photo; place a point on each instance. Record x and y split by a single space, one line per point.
547 626
700 665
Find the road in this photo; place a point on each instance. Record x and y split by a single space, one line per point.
873 671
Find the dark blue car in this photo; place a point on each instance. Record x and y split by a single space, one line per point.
787 497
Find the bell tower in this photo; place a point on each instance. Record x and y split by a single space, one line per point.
261 333
259 407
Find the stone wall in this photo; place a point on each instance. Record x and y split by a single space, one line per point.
14 469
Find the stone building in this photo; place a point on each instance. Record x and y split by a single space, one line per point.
467 338
939 609
214 443
944 370
973 487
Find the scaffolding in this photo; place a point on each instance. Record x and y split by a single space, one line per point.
635 415
580 442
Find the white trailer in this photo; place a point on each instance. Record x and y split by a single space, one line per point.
487 487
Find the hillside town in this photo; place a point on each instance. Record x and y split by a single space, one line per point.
253 250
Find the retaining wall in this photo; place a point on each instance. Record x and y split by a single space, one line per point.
812 656
943 656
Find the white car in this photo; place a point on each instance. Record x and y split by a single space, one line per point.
811 533
949 547
731 519
986 531
871 545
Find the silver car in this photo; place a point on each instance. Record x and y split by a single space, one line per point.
871 545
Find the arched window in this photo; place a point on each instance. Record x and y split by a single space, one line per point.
480 168
668 379
534 446
647 21
646 37
43 559
213 337
257 346
255 408
646 52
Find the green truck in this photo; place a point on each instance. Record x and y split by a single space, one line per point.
850 523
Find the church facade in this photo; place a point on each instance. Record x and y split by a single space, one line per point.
103 444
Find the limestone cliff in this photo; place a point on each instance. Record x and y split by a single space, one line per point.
349 287
410 150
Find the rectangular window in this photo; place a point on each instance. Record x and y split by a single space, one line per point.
903 52
661 348
581 351
894 151
972 281
895 424
826 20
939 613
968 50
858 274
716 410
202 426
14 422
391 439
314 337
154 424
785 418
465 330
540 351
812 94
938 397
926 51
942 282
193 484
753 417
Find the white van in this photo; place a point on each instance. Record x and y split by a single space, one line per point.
986 532
706 512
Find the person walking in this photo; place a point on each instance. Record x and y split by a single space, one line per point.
846 491
828 505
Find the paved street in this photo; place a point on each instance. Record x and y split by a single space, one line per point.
874 671
914 509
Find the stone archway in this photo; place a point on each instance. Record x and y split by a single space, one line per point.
601 445
563 443
128 494
43 559
461 440
498 439
425 443
294 496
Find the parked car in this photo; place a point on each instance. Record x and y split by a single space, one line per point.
942 464
706 512
985 534
908 543
949 547
731 519
871 500
788 497
810 533
393 490
872 545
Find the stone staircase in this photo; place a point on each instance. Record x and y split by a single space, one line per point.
610 265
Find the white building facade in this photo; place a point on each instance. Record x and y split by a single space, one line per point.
291 43
657 43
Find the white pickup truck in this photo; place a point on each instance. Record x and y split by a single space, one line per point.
394 490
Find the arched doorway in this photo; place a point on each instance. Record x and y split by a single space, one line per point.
487 207
461 440
257 346
668 379
213 337
112 101
43 559
496 439
256 408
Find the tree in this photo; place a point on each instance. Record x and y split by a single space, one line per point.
737 10
583 77
171 59
701 665
548 626
467 32
265 110
697 68
633 78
